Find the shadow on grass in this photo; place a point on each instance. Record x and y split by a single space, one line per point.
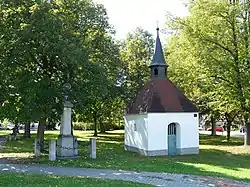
18 146
209 163
220 140
112 133
115 139
111 155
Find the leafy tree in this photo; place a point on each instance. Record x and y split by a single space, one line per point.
217 33
136 53
186 71
46 44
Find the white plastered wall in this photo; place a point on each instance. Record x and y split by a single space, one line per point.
187 130
136 138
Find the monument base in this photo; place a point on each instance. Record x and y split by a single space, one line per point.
65 146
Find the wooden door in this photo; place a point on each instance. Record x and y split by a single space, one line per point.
172 139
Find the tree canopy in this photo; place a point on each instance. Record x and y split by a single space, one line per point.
212 46
47 44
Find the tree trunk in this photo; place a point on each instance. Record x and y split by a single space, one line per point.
102 126
248 134
229 124
213 130
27 130
40 133
15 130
229 118
95 123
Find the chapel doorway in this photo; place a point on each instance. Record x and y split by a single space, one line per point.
172 139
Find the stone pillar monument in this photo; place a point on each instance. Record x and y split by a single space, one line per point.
65 142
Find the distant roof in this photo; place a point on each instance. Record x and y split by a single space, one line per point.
158 58
161 96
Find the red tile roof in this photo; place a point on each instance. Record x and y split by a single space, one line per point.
160 96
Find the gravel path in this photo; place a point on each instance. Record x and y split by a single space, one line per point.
156 179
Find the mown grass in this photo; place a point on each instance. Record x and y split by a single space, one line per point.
4 132
217 156
27 180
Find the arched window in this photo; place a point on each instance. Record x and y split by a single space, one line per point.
172 129
156 71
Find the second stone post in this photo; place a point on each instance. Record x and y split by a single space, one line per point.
93 148
52 150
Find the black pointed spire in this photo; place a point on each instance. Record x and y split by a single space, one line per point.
158 58
158 65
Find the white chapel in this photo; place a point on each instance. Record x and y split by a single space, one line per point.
162 120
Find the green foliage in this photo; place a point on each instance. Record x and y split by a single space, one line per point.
209 56
136 54
4 123
82 126
47 44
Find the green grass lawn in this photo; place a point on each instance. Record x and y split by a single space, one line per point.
217 157
25 180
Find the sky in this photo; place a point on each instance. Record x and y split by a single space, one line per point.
126 15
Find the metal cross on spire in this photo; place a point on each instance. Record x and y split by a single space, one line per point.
157 28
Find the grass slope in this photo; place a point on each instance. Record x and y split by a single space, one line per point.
24 180
217 157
